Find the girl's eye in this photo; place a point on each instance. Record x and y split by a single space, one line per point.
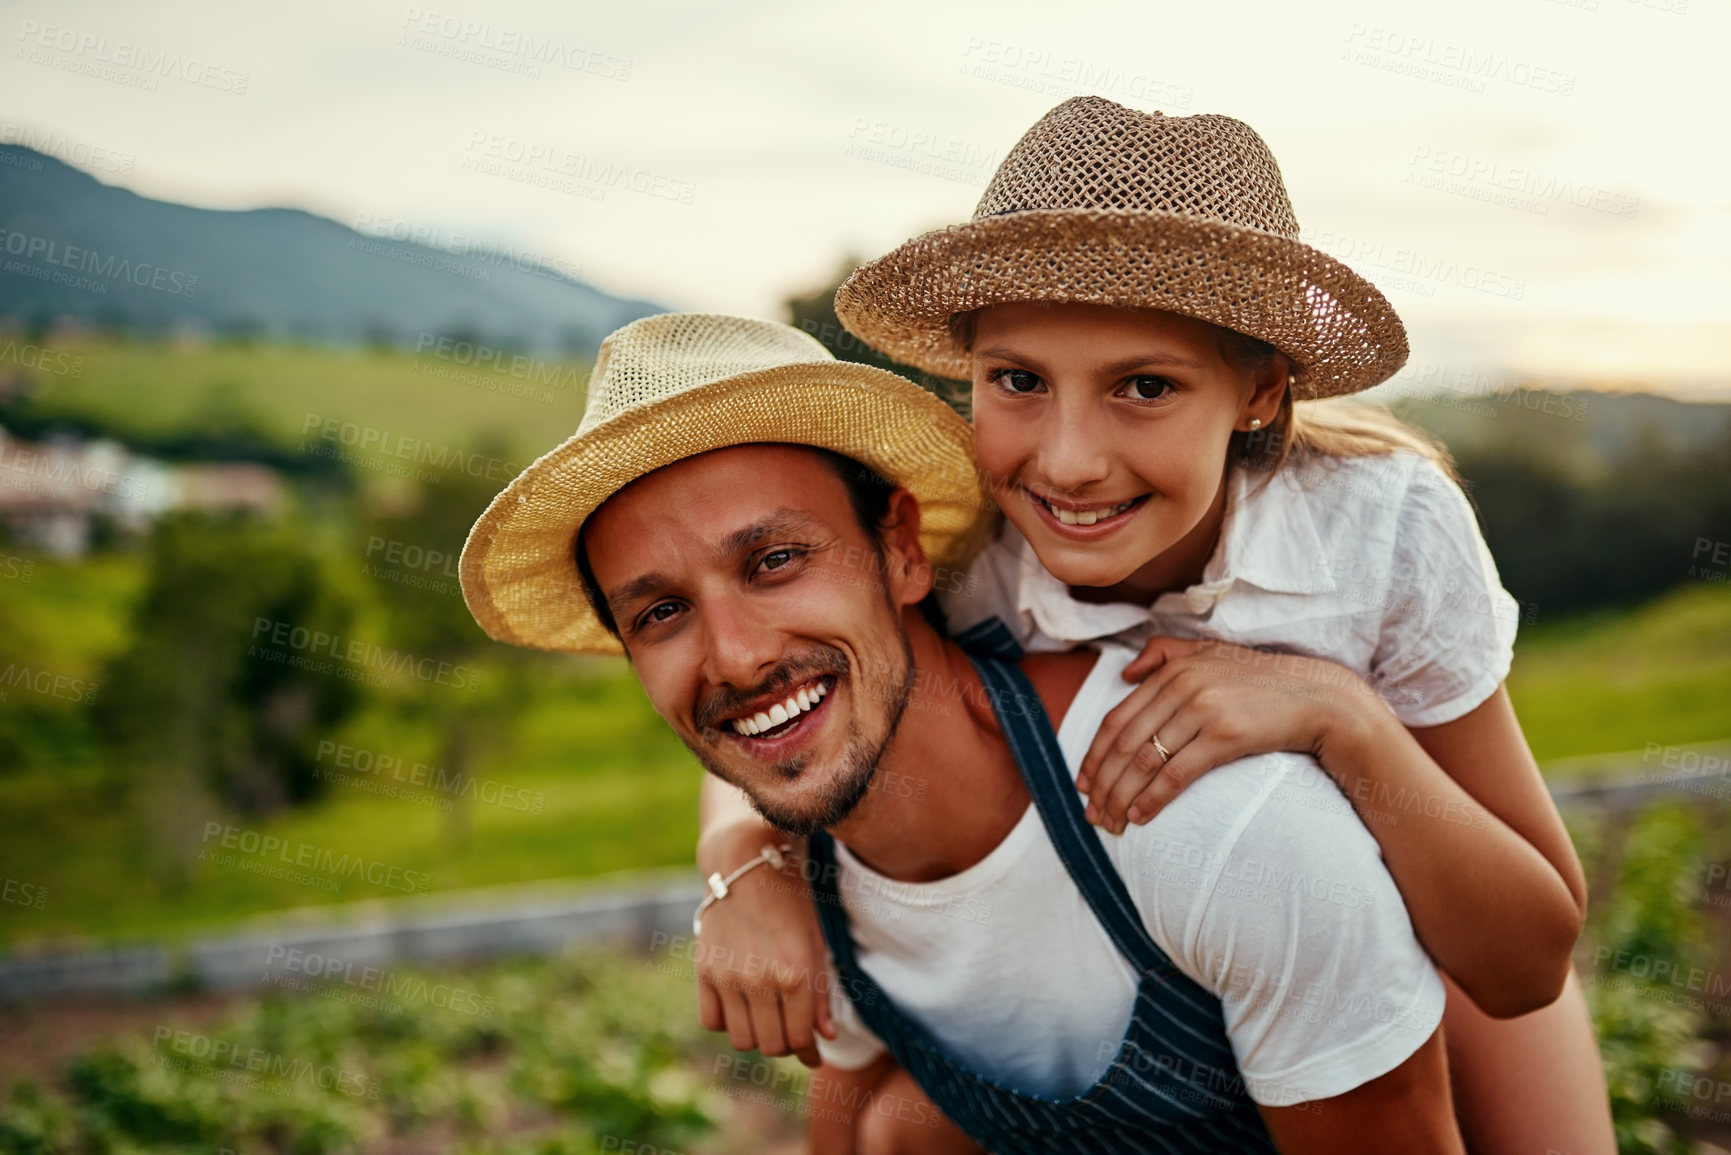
1017 380
1149 388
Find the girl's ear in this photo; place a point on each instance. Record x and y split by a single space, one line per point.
906 573
1268 384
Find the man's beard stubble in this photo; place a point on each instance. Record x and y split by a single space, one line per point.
859 760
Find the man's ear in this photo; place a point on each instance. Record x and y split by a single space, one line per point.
906 573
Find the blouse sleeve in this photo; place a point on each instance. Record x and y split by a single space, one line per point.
1448 629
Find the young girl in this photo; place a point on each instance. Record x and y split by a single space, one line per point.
1149 345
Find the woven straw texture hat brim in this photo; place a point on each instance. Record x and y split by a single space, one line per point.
1339 330
519 571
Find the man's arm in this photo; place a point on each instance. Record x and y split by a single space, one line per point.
1408 1111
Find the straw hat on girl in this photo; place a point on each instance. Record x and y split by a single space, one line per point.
670 387
1101 204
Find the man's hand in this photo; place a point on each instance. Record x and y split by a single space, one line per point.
762 968
1408 1111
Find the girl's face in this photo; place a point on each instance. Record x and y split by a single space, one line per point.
1105 433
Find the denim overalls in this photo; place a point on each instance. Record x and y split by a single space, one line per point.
1173 1087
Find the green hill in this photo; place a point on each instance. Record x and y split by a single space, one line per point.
77 248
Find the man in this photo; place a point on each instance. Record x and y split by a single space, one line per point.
721 516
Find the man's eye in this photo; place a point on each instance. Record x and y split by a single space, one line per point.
1017 380
660 612
1149 388
775 559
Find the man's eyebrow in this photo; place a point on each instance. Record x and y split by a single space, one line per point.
782 521
637 587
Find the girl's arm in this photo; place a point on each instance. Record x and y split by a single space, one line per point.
1470 834
761 964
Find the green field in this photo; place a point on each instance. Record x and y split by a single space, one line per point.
619 790
280 391
1619 681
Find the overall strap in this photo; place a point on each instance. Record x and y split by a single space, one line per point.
1034 744
990 638
820 848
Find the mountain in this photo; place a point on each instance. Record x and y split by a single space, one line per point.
73 247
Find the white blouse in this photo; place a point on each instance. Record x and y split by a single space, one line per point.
1376 563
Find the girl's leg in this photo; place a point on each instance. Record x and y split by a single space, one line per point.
900 1120
877 1110
1532 1085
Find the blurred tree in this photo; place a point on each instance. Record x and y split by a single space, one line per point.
814 314
412 547
1615 532
205 708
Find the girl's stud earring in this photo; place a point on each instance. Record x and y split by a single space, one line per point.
1291 380
1256 423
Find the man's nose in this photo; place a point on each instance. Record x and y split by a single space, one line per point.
742 648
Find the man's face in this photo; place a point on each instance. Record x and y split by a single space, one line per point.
744 590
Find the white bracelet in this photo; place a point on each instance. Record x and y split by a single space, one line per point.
774 855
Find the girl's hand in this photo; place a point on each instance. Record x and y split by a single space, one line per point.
762 967
1209 703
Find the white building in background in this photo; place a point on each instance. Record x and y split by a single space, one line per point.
52 492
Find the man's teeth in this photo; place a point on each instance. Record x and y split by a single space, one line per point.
779 713
1088 516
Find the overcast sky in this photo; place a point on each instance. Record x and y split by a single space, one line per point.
1540 186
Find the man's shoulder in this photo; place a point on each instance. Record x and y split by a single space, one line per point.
1278 808
1058 677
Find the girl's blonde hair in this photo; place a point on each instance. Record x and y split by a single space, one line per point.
1333 427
